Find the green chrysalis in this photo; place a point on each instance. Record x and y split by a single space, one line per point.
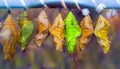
26 31
72 32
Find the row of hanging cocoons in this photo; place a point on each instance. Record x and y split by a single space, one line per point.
71 29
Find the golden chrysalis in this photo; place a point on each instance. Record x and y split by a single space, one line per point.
86 36
101 32
87 32
43 26
57 31
9 36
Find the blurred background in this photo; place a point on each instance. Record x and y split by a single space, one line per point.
46 57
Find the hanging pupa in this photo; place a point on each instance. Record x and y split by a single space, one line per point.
72 32
86 36
43 26
57 31
101 32
87 30
27 28
9 37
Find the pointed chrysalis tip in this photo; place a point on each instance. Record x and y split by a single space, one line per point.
85 12
23 49
70 15
100 7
